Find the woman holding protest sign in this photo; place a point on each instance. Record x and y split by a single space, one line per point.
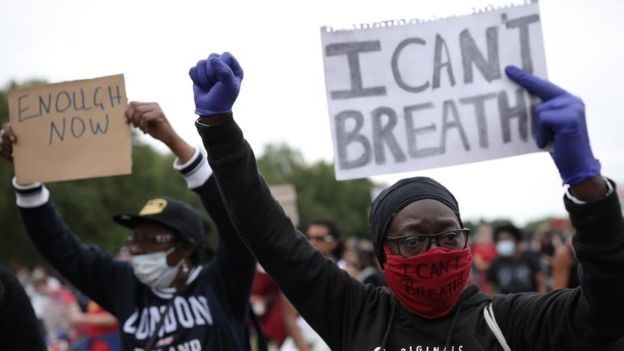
171 295
422 244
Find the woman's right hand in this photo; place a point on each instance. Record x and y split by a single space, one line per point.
7 139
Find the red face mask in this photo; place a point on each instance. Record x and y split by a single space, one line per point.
428 284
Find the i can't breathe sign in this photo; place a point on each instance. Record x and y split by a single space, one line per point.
406 95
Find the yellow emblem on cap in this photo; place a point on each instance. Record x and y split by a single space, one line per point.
153 206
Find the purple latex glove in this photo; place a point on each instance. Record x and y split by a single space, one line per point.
216 83
560 120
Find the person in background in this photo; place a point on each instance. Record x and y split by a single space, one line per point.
53 302
100 329
38 286
266 303
483 254
514 270
19 328
544 243
324 235
169 296
361 263
565 270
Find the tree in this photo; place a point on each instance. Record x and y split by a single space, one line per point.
319 194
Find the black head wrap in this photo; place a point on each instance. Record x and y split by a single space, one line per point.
393 199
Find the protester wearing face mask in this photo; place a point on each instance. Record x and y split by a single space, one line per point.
167 241
169 296
515 269
420 240
483 254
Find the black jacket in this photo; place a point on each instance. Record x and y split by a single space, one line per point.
351 316
210 314
19 328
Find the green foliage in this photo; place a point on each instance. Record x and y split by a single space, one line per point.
319 194
279 163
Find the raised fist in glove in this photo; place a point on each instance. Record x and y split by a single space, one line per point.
560 120
216 83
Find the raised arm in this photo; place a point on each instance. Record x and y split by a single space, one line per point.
92 271
233 267
302 272
150 119
592 316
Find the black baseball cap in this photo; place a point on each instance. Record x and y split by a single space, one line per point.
183 220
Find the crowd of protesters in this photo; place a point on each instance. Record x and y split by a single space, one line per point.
540 261
65 318
507 259
409 288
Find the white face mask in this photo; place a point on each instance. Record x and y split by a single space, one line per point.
506 248
152 269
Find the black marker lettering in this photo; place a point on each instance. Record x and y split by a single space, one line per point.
352 50
382 135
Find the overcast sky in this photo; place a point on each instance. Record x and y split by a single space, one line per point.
154 43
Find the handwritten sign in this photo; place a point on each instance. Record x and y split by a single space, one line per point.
71 130
286 196
409 95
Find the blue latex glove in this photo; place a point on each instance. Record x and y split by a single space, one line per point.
216 83
560 120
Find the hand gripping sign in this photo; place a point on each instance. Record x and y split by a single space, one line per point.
411 95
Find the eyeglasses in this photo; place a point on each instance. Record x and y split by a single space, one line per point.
325 238
414 244
149 241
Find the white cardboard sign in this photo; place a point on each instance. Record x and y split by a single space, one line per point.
409 95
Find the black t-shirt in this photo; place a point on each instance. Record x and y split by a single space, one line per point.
515 275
